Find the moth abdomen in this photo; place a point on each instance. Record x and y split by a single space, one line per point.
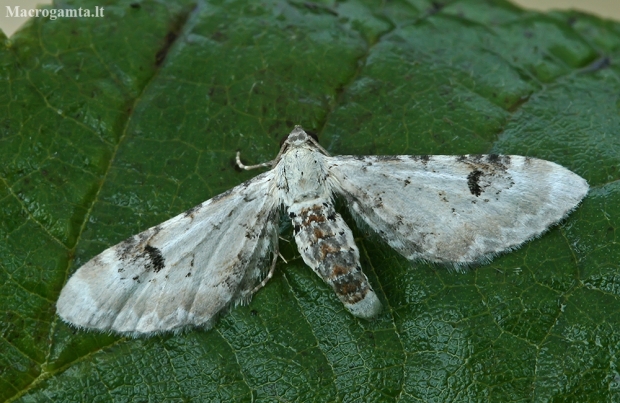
326 245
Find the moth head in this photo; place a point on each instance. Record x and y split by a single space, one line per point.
300 138
297 137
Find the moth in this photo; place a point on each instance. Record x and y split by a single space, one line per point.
454 210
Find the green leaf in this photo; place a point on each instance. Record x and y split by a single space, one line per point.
111 125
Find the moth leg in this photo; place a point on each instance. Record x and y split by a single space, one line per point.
248 167
272 269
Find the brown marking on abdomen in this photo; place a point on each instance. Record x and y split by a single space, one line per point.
339 271
326 244
327 249
314 218
312 214
351 289
318 233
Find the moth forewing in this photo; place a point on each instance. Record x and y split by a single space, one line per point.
457 209
181 272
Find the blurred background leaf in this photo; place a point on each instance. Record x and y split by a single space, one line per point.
109 126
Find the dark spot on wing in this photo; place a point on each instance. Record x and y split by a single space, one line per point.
499 161
378 202
477 158
387 157
125 248
157 260
188 274
493 158
191 212
222 195
473 182
155 230
97 260
235 272
247 198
